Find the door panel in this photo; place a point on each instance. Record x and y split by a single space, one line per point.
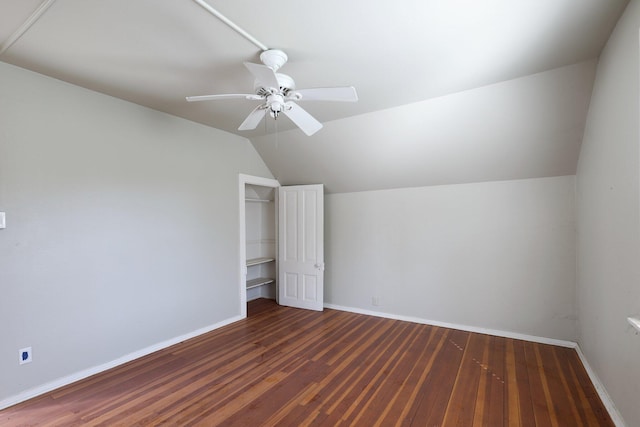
291 286
310 288
301 251
289 222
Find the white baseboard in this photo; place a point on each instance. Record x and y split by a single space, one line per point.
69 379
496 332
602 392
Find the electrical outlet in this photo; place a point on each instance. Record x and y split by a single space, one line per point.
25 355
375 301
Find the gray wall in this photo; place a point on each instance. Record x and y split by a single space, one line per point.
495 255
122 227
608 221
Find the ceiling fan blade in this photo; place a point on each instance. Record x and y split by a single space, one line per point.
265 75
223 96
344 94
305 121
255 117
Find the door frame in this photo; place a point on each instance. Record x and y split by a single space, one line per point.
244 179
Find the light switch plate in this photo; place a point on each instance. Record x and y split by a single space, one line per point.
3 222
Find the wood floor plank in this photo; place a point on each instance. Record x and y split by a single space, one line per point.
527 418
435 392
387 383
514 413
546 389
497 406
288 367
346 371
363 385
563 401
539 401
461 405
590 404
482 395
417 362
424 368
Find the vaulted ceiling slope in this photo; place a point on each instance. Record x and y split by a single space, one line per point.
450 91
525 128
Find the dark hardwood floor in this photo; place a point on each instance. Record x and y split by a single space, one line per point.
289 367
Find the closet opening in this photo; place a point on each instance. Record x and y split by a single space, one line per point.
259 248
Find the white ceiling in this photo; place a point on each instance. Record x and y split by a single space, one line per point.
432 107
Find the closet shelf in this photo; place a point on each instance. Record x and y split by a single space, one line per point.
256 261
249 199
254 283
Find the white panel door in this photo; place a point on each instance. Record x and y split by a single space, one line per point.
301 246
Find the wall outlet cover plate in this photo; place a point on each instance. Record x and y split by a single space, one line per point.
25 355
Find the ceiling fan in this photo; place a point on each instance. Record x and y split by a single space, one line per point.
278 94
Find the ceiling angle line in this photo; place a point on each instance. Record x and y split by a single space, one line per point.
25 25
231 24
